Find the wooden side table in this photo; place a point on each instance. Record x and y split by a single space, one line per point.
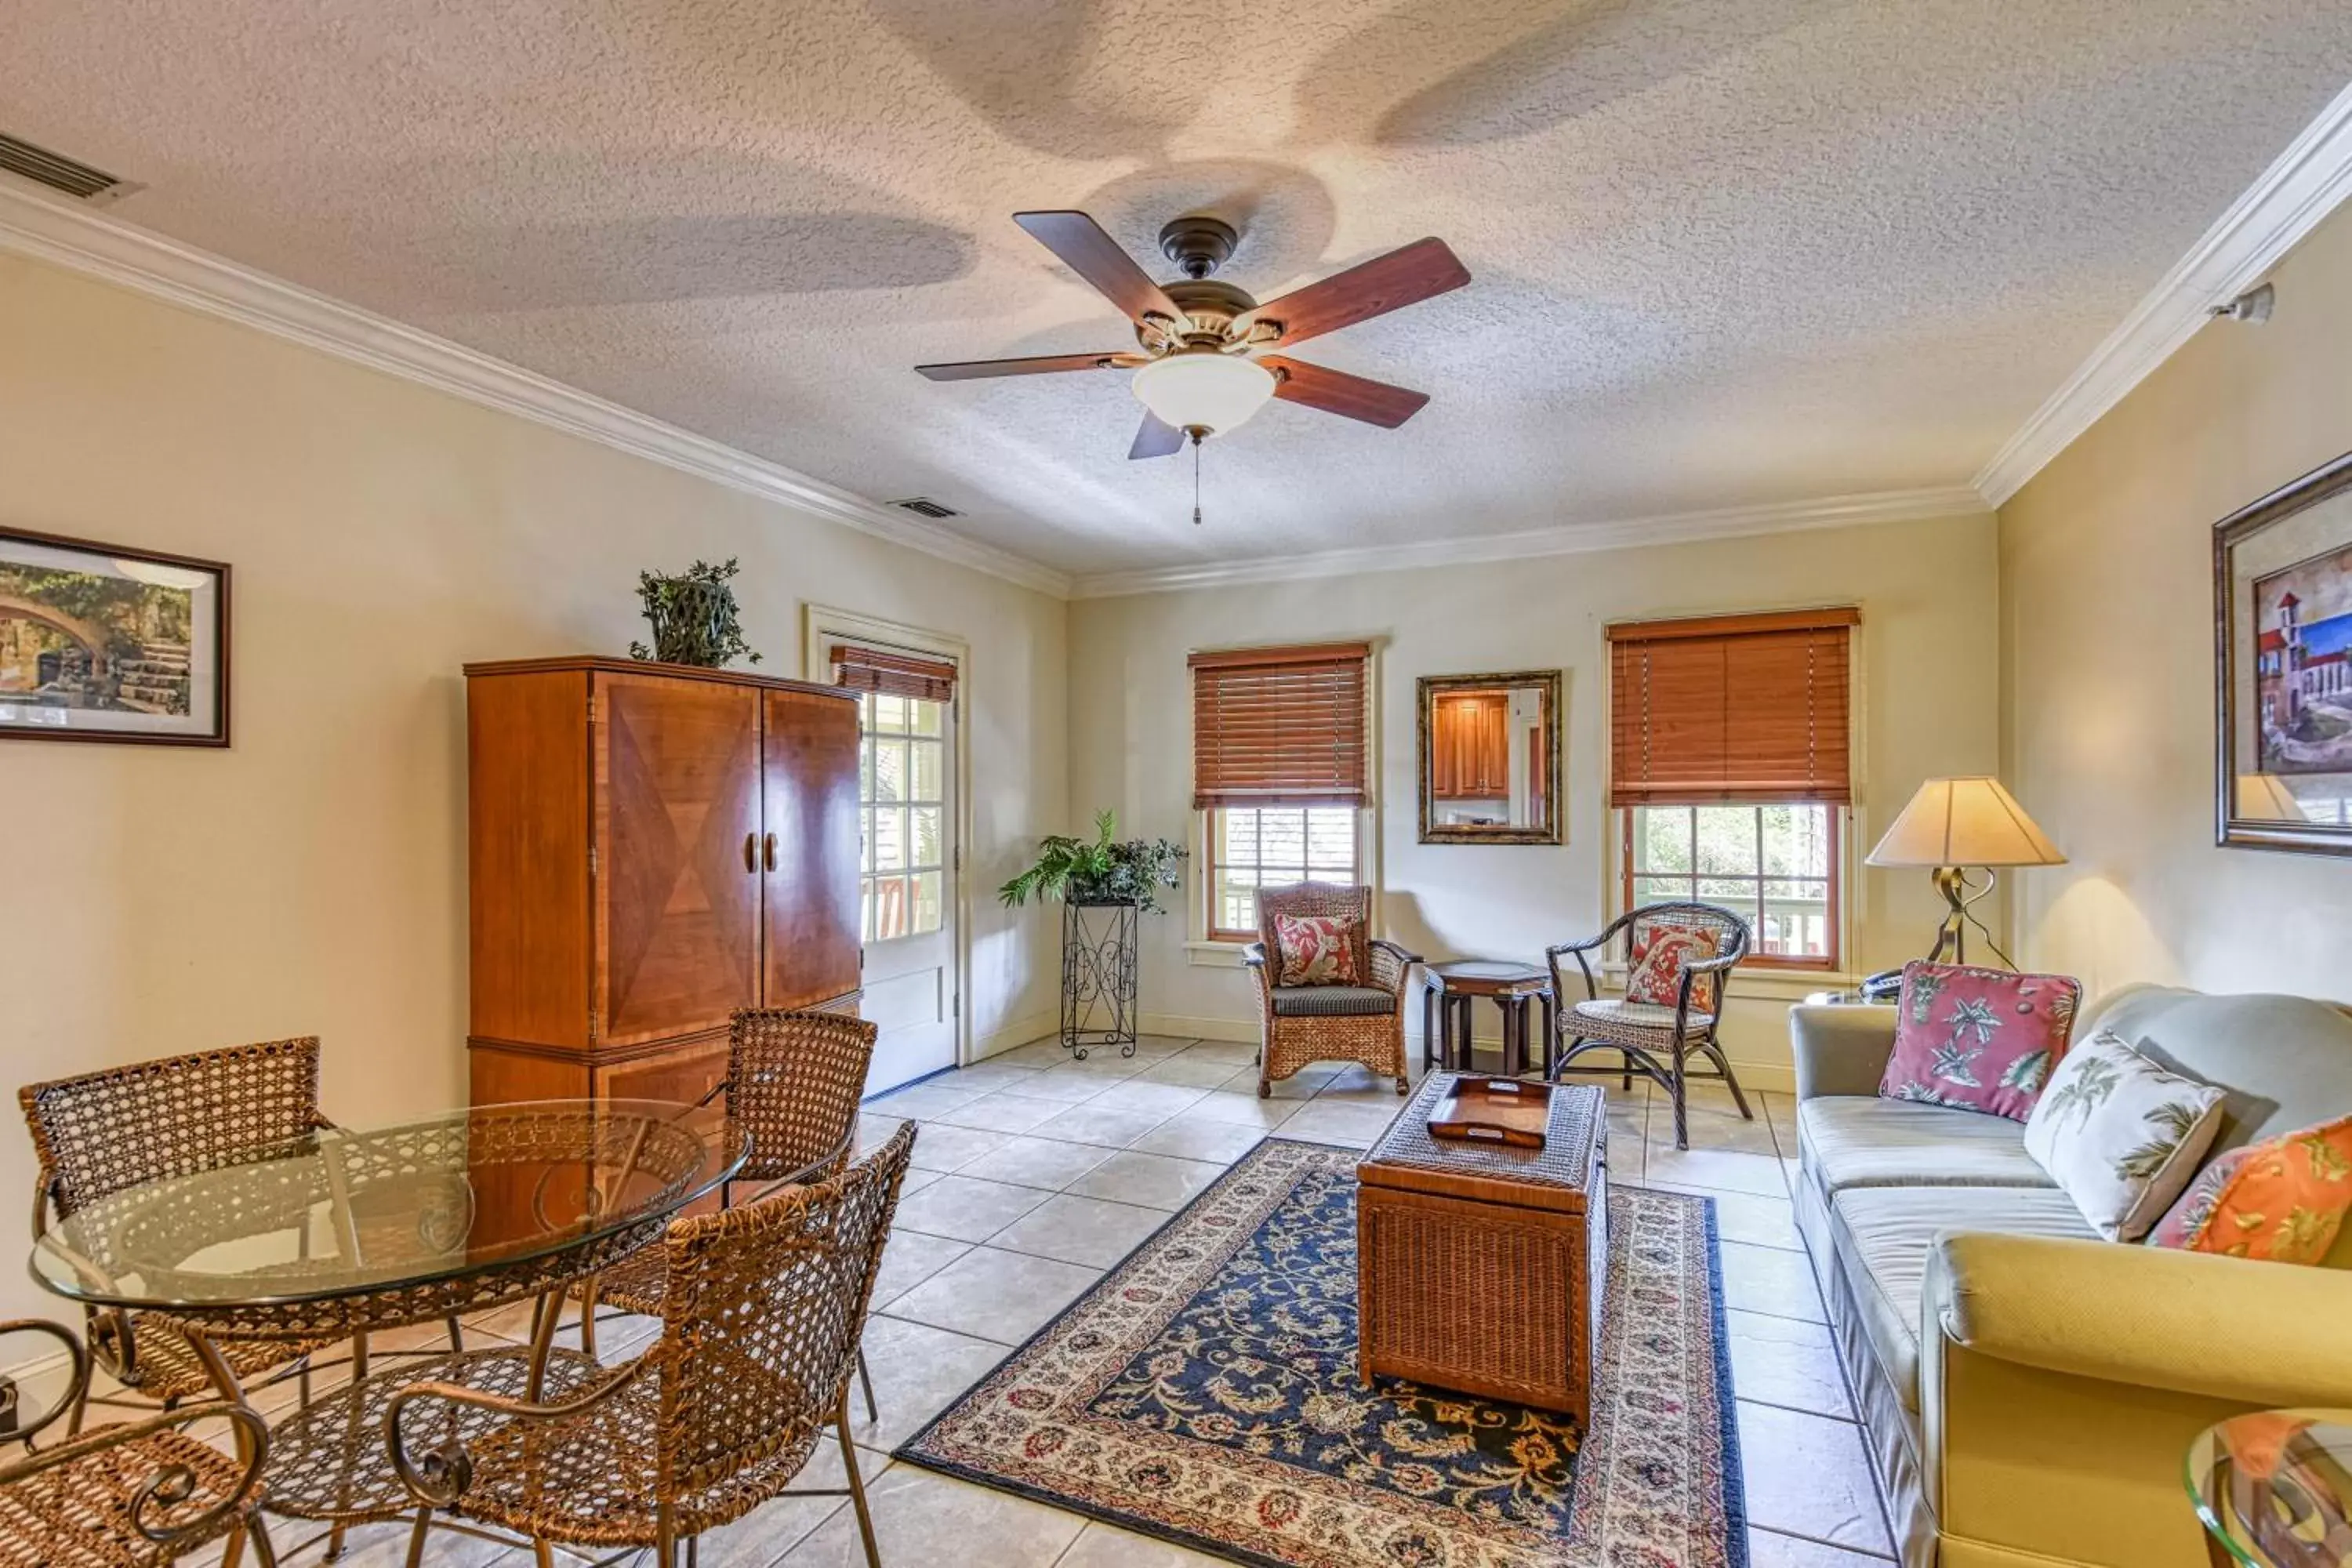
1446 1008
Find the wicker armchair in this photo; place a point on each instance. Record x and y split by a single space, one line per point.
102 1131
1654 1040
760 1325
132 1494
794 1080
1303 1024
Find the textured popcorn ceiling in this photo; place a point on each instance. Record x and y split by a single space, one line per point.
1724 252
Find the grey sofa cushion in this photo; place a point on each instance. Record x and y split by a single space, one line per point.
1883 1236
1332 1001
1850 1142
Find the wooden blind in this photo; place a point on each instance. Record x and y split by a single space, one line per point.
892 674
1740 709
1279 726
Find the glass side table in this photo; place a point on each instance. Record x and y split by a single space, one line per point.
2274 1489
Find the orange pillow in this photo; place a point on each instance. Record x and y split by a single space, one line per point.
1318 950
2282 1199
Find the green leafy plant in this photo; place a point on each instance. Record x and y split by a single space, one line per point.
1109 869
693 615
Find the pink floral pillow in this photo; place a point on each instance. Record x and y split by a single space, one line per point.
2282 1199
1318 950
1980 1039
1654 972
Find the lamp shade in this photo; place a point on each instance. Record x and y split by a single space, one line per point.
1965 821
1203 389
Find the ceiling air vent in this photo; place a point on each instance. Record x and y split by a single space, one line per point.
54 170
924 506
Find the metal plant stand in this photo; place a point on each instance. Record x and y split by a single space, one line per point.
1098 966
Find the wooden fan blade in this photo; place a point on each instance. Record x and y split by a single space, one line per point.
1373 288
1157 438
971 370
1095 256
1337 392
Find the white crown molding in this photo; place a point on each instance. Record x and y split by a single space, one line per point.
1566 539
2303 185
36 224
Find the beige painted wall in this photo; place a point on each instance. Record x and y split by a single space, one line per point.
2108 642
1927 680
311 879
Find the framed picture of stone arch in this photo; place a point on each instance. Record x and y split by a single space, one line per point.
2283 643
101 642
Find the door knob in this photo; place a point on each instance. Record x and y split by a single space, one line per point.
769 848
752 853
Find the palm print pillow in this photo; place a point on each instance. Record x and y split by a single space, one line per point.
1978 1039
2120 1134
1317 949
2283 1200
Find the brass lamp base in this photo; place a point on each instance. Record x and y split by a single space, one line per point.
1961 895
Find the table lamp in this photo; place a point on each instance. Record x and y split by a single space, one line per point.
1954 825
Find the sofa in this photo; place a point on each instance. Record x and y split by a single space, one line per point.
2028 1390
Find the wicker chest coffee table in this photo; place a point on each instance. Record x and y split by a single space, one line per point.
1481 1267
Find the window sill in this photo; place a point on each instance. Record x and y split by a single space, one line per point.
1214 955
1761 985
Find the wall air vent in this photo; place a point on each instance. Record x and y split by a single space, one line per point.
924 506
54 170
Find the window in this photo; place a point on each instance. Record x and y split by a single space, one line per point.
1272 847
902 786
1777 865
902 799
1730 771
1279 771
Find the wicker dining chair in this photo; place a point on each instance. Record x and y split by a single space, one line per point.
1303 1024
759 1331
793 1081
99 1132
135 1494
1654 1040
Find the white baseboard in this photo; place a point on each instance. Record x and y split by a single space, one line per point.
1779 1078
1013 1035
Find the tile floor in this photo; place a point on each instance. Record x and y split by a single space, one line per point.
1035 1173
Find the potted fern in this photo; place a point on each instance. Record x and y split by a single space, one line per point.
1103 886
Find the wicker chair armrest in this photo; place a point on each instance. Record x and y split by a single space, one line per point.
1391 965
439 1477
77 1357
1716 965
1253 955
172 1484
1562 950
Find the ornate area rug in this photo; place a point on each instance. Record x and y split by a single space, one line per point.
1205 1392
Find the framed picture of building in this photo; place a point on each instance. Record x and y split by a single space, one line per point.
2283 618
100 642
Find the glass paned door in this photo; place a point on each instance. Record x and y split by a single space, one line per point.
906 884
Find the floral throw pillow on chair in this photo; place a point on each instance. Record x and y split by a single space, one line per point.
1653 973
1318 950
1978 1039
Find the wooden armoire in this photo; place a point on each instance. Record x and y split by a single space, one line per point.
651 847
1470 746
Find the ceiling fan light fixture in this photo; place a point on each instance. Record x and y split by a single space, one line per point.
1205 389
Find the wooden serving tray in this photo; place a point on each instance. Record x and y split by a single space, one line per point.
1505 1111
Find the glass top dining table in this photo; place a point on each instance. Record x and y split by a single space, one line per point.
355 1230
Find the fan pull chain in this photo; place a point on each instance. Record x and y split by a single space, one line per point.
1196 478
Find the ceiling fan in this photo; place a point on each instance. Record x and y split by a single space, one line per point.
1199 366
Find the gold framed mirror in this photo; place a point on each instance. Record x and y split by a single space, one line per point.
1489 757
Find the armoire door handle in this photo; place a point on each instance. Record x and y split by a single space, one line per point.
752 853
770 848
